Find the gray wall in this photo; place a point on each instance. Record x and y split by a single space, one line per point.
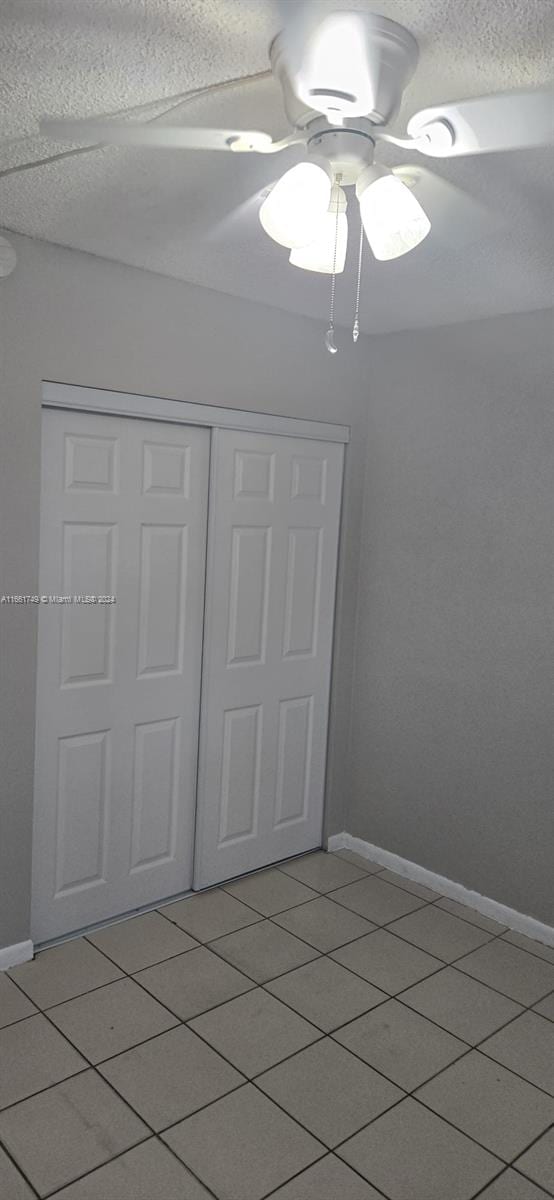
453 729
74 318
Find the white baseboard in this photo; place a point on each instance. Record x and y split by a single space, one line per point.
455 891
11 956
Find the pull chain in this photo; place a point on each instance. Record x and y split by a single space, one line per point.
356 325
330 335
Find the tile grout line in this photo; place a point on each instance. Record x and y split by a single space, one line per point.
331 1154
15 1163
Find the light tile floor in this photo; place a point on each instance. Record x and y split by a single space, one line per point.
321 1030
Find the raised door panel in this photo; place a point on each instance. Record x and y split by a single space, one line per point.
248 594
88 570
303 586
294 759
162 598
240 774
155 793
82 811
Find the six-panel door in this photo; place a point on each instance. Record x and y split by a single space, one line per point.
272 554
124 506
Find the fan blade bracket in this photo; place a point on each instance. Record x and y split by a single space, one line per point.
436 138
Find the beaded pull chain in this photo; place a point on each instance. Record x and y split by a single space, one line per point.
356 325
330 335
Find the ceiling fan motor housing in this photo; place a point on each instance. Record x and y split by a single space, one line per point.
348 65
347 149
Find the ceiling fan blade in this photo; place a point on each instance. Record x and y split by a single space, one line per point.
506 121
456 218
125 133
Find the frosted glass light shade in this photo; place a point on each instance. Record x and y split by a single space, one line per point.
393 220
319 255
295 205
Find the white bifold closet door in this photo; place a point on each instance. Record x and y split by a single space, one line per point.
272 554
124 506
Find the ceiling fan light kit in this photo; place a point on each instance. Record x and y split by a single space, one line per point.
342 77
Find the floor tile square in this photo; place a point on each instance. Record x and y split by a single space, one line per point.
409 885
170 1077
67 1130
546 1007
255 1031
210 914
526 1046
328 1179
465 1007
324 993
193 982
510 1185
483 1099
523 977
330 1091
439 933
324 924
323 871
141 941
400 1044
63 972
243 1145
386 961
470 914
377 900
263 951
530 944
33 1056
538 1162
149 1170
357 860
111 1019
410 1153
14 1005
270 891
12 1183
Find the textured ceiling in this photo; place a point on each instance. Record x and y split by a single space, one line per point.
168 211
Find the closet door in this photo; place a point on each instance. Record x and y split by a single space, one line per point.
272 551
124 507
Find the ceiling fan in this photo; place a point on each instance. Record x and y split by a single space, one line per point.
342 76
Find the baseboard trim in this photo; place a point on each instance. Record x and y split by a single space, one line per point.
517 921
12 956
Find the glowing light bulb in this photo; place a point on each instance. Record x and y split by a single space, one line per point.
393 220
319 255
296 204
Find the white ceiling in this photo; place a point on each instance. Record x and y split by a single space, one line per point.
167 210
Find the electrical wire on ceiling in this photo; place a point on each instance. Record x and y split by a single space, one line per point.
181 99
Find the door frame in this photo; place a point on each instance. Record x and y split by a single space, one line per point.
156 408
80 398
